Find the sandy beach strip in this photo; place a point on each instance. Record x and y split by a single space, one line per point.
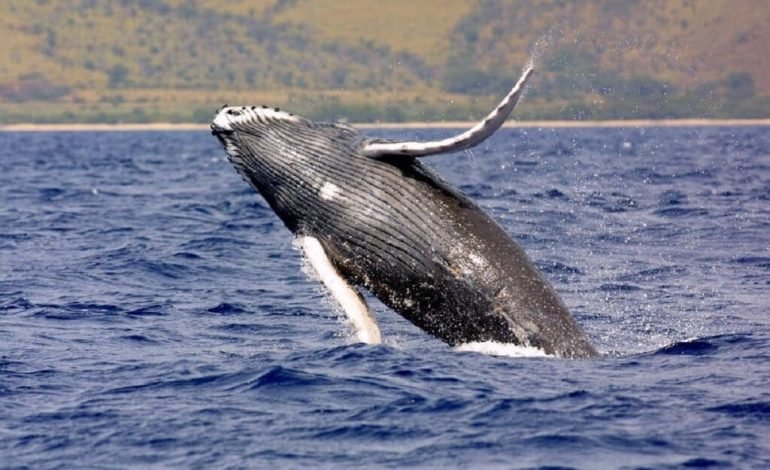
161 126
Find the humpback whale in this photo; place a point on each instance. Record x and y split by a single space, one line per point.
369 215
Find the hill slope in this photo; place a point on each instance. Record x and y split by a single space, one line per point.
177 60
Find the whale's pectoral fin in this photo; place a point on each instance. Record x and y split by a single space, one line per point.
470 138
351 301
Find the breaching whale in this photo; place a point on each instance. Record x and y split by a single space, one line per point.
369 214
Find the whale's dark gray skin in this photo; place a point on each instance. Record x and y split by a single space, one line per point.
394 227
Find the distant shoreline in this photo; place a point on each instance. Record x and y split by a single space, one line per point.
161 126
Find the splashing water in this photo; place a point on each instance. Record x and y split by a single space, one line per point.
494 348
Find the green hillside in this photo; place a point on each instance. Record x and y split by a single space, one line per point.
178 60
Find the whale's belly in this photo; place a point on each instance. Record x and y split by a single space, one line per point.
429 253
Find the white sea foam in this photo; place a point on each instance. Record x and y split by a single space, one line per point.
493 348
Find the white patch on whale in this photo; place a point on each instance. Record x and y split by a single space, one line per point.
477 259
469 261
329 191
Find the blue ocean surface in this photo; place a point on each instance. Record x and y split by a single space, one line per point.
154 312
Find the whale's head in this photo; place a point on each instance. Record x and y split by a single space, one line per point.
292 161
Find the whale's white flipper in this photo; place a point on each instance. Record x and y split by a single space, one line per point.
470 138
349 299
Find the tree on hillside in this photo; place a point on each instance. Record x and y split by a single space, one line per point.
117 76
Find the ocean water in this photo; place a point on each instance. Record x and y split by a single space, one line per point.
154 312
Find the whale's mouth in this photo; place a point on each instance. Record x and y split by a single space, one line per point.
220 131
222 134
220 126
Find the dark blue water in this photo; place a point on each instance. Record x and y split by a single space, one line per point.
153 312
